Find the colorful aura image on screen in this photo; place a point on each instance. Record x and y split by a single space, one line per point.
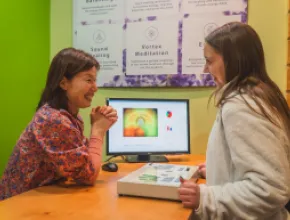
140 122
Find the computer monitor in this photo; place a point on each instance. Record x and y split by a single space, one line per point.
149 128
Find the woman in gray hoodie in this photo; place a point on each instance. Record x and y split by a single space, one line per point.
248 153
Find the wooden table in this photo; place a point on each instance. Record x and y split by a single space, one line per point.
98 202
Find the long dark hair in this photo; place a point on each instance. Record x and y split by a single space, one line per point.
67 63
245 69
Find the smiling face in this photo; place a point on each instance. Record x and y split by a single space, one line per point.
80 89
214 65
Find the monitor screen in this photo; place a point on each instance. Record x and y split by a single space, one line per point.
149 126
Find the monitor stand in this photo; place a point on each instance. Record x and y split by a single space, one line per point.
146 159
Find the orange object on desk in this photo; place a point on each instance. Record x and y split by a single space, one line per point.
98 202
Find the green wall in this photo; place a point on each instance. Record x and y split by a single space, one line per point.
273 33
24 56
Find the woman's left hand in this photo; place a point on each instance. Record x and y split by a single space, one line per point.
189 194
109 112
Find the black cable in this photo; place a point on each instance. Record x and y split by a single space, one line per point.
123 157
110 158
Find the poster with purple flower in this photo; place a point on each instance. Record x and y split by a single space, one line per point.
101 42
145 43
193 42
92 11
151 47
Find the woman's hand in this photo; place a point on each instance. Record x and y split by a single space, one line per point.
189 194
202 170
101 123
108 112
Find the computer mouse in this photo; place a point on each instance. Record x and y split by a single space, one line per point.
110 167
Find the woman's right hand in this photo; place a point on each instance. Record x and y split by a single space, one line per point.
189 194
202 170
109 112
99 122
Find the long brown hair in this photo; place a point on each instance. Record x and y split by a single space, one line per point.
245 72
67 63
